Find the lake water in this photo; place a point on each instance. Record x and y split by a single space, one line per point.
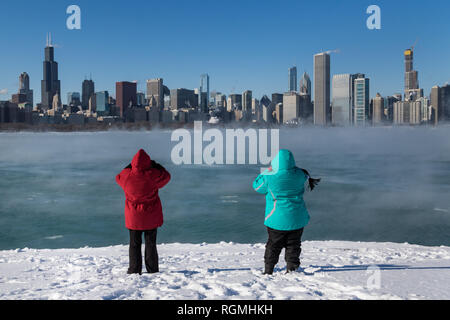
58 190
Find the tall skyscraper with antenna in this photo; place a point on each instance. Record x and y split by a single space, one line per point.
50 85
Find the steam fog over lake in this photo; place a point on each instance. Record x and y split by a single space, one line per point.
58 190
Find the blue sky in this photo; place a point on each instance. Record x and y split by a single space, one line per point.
246 44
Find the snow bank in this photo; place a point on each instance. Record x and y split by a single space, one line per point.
330 270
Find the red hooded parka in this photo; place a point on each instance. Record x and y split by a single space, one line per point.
143 210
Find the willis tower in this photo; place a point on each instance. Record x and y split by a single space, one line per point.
50 85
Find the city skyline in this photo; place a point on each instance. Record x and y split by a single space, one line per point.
74 48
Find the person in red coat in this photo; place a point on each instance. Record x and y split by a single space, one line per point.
141 181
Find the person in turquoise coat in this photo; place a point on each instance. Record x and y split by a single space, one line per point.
283 185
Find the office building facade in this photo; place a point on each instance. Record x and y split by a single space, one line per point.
362 101
125 96
341 110
322 110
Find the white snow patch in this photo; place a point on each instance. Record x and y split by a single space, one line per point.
329 270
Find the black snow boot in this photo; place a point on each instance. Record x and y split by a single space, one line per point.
268 269
291 268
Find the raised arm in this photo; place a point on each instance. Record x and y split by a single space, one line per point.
260 184
162 177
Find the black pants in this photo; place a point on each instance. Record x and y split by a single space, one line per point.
291 241
151 254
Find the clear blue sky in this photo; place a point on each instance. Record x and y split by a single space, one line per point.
246 44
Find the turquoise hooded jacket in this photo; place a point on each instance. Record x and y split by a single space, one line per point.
283 185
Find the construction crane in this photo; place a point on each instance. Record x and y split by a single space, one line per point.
332 51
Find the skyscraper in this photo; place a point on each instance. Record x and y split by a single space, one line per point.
101 102
88 89
291 106
305 84
73 98
440 103
24 87
50 84
322 112
183 98
247 100
342 100
204 88
361 112
155 88
277 98
235 101
293 79
125 95
378 110
412 90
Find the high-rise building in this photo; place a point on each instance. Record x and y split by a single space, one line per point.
73 98
279 113
305 84
440 103
101 102
408 112
50 84
155 88
140 99
292 79
378 110
56 103
362 101
445 99
204 88
235 101
291 106
322 112
342 100
412 90
277 98
247 101
87 91
306 111
24 87
183 98
125 96
389 106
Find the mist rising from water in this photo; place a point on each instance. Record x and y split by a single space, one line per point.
378 184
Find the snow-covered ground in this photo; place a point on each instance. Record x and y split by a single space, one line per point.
330 270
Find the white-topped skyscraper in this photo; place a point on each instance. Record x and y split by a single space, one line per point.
322 110
305 84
